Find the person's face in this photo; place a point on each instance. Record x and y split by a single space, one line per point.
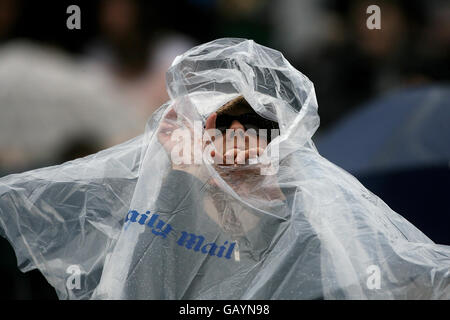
238 137
242 141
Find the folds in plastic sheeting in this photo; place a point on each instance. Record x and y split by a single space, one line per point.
121 224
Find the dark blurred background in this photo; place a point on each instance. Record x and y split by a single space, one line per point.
383 95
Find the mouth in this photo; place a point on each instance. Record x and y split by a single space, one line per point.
235 173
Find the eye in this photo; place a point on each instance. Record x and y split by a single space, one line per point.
252 130
222 129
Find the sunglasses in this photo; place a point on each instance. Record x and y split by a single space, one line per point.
248 120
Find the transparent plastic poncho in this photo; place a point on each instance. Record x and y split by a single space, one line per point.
120 224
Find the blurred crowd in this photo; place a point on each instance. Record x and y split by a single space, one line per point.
65 93
126 46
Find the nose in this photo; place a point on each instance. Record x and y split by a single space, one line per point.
235 136
237 125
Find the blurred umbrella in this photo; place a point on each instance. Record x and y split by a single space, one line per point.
406 129
52 109
48 100
399 147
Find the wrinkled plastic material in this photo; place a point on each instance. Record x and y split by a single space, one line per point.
329 239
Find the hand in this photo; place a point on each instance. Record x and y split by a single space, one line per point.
168 126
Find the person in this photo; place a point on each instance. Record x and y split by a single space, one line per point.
191 199
165 216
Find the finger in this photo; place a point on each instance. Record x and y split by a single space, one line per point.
210 136
167 125
172 114
254 152
170 118
241 156
244 155
230 155
166 129
211 121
